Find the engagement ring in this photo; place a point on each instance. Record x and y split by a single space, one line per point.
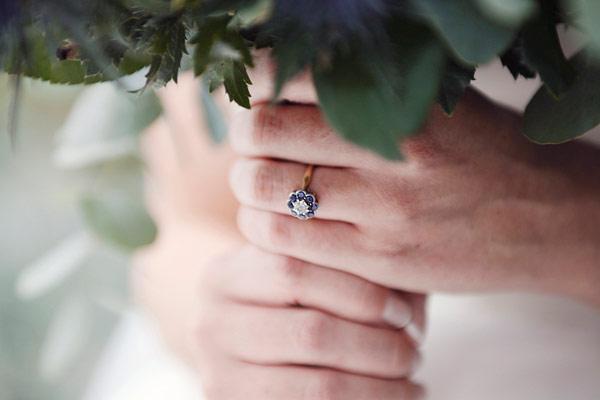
302 203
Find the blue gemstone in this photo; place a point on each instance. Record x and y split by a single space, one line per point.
290 204
300 195
292 197
310 214
315 206
310 198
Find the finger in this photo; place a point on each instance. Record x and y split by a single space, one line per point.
266 184
256 382
282 281
296 133
280 336
334 244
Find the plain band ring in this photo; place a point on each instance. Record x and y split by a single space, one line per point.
302 203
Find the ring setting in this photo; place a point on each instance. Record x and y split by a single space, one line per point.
302 203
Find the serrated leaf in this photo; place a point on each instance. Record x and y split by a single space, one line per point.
236 81
375 108
473 37
550 120
175 37
515 60
455 81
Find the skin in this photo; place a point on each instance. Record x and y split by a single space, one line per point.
257 325
474 208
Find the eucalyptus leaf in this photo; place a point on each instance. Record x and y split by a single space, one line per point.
507 12
472 36
375 108
587 14
550 120
119 218
104 124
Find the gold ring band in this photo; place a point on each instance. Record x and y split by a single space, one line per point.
308 173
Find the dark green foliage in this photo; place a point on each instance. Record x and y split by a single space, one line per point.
455 81
551 120
378 65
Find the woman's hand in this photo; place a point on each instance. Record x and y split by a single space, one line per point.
474 207
273 327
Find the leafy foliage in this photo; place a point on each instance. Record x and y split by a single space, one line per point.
557 120
378 65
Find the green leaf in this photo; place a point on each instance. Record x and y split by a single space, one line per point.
205 38
507 12
375 108
473 37
587 15
291 58
39 64
549 119
104 124
455 81
214 76
133 61
543 52
175 48
515 60
236 82
119 218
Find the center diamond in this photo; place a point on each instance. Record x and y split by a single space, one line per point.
300 207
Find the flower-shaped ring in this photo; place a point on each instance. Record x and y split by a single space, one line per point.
302 203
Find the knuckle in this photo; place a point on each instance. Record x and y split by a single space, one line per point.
262 181
279 231
326 385
266 123
370 298
422 147
311 335
291 271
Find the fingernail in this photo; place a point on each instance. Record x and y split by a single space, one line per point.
397 312
414 332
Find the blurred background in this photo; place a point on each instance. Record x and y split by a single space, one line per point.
61 290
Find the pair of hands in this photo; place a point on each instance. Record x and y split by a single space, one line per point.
475 207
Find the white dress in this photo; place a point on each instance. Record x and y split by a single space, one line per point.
486 347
